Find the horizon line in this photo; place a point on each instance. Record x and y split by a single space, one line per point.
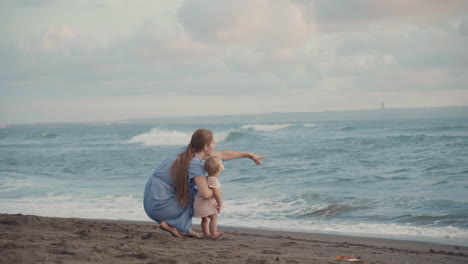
136 119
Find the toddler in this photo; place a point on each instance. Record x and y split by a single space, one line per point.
208 209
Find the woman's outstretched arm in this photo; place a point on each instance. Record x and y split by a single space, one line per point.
230 155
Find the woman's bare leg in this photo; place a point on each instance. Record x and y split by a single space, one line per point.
214 226
167 227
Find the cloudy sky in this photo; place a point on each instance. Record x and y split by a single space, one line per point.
104 60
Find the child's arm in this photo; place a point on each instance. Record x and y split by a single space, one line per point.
217 195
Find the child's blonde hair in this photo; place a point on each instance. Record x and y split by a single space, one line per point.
213 165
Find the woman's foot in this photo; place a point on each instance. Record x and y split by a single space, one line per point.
172 230
191 234
217 235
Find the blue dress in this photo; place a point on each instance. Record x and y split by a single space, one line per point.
160 200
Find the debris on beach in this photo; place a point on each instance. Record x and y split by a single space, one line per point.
350 259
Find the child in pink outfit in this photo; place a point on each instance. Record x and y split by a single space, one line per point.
208 209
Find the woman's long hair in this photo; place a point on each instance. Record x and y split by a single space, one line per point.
179 170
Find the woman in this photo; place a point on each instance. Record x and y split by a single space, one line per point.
170 191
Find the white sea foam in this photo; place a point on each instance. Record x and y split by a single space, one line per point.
107 207
270 128
266 128
158 137
15 181
221 136
271 214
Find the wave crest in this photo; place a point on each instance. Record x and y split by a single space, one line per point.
329 210
266 128
275 127
157 137
233 136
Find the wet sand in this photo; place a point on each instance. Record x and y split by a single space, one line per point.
34 239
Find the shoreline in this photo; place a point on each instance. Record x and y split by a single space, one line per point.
196 225
38 239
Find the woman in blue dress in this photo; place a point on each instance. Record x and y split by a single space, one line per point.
170 191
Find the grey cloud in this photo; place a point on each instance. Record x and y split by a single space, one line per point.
204 18
119 69
275 24
337 15
399 59
431 49
464 26
428 48
72 64
356 43
152 59
28 2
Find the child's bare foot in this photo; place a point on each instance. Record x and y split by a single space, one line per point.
217 235
166 227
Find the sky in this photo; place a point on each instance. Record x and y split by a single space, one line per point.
110 60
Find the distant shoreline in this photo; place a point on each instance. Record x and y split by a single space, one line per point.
351 115
369 114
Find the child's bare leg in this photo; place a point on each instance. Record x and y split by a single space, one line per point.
214 226
205 225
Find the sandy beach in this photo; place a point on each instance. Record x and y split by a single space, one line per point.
34 239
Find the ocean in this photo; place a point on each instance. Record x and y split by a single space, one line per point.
400 178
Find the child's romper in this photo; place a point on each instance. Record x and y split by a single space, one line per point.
204 207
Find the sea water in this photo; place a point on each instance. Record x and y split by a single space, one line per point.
404 179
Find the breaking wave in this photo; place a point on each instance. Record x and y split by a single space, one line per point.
275 127
266 128
159 137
